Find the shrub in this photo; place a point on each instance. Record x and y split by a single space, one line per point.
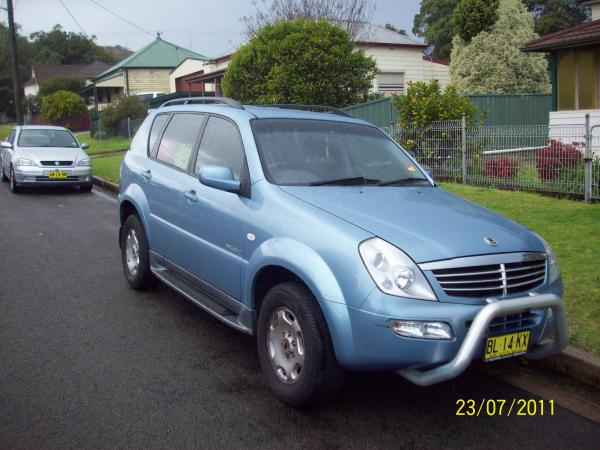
552 160
301 61
127 106
62 105
61 83
427 102
500 167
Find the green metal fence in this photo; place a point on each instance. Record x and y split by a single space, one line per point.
498 109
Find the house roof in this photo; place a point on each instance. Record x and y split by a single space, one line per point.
585 34
43 72
158 54
377 35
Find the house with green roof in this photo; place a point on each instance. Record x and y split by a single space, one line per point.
147 70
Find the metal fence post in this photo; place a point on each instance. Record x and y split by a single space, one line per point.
129 128
588 161
464 147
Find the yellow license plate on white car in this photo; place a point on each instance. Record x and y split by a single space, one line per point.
506 345
58 174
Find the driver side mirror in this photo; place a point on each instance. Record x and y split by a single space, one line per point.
85 146
6 144
219 177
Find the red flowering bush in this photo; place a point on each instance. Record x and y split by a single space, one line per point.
500 167
551 160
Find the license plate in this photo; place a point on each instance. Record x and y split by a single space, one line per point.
57 174
506 345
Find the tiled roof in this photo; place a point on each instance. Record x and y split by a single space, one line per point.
584 34
375 34
43 72
158 54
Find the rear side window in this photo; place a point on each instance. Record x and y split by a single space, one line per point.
221 145
157 126
178 140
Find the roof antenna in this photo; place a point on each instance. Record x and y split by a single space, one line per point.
159 34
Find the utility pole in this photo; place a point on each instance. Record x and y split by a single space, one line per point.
14 60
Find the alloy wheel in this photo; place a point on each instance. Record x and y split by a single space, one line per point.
132 252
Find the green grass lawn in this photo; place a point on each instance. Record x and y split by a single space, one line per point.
102 146
5 130
108 167
572 230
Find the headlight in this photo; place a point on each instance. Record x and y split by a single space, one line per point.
393 271
553 268
24 162
84 162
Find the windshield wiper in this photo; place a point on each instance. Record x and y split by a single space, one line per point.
346 181
403 181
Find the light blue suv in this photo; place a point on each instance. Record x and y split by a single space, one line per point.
320 235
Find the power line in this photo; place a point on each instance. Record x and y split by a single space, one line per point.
122 18
73 17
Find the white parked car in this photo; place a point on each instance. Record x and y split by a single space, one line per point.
44 155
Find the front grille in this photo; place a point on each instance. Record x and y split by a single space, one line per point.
526 319
53 163
56 179
493 279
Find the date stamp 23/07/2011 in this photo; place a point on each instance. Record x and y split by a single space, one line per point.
503 407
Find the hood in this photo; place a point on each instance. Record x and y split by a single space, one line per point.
38 154
427 223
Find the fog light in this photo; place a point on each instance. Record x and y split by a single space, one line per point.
423 330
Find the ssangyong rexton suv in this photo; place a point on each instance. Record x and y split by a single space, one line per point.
320 235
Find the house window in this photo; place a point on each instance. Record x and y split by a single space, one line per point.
578 79
390 82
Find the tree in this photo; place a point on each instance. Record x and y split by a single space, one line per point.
6 82
389 26
555 15
471 17
61 47
62 105
433 23
301 61
493 62
68 83
426 102
351 15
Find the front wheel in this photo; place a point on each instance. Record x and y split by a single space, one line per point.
14 188
86 187
4 177
295 349
135 255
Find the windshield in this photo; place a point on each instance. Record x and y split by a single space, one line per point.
46 138
318 152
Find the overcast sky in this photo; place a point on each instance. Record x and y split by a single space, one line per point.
212 27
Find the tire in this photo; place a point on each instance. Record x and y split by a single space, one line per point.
137 270
313 374
14 188
4 177
86 187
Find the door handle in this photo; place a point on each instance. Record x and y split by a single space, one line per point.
147 174
191 196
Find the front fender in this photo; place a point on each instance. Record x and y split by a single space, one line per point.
134 194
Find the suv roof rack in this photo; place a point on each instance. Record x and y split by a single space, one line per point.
314 108
203 100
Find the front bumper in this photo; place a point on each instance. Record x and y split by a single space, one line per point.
31 176
364 341
478 329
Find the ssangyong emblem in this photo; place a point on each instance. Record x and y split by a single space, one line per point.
490 241
57 163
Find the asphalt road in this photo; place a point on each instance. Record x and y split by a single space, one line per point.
87 362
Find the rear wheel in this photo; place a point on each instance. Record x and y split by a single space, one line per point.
14 188
135 254
295 349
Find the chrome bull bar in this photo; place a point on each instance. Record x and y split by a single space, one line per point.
478 329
